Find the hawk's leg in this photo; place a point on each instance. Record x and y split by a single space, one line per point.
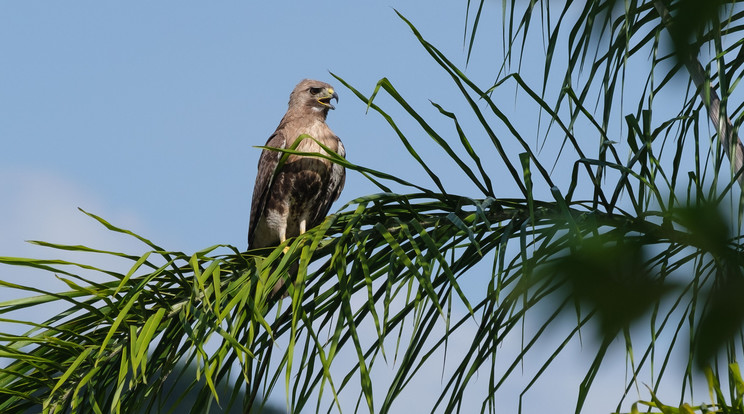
303 226
283 236
282 240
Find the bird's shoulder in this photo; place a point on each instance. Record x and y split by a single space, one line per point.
277 140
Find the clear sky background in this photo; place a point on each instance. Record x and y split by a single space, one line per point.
146 113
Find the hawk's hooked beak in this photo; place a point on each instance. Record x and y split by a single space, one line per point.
328 94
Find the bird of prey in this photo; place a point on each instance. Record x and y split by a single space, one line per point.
296 198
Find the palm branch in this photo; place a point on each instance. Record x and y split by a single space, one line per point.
643 226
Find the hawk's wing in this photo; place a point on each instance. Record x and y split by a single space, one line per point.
336 182
266 166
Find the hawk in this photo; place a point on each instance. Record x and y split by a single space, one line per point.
299 196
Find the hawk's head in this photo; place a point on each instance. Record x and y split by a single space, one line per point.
314 94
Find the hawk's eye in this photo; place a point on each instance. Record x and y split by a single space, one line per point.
314 91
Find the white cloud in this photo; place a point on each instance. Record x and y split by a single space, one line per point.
42 205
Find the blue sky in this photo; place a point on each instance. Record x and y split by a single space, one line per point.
154 108
146 113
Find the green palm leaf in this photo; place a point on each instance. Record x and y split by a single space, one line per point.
644 225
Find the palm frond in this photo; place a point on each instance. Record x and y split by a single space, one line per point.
632 231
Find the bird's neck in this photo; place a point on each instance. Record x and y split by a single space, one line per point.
306 114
